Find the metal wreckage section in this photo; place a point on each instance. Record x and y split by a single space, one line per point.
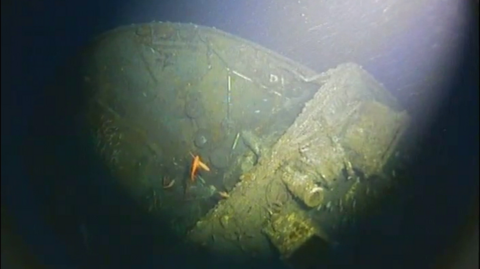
295 172
348 131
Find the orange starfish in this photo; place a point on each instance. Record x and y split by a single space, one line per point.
196 164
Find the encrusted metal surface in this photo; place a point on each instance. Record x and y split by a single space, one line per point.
314 144
161 91
152 95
